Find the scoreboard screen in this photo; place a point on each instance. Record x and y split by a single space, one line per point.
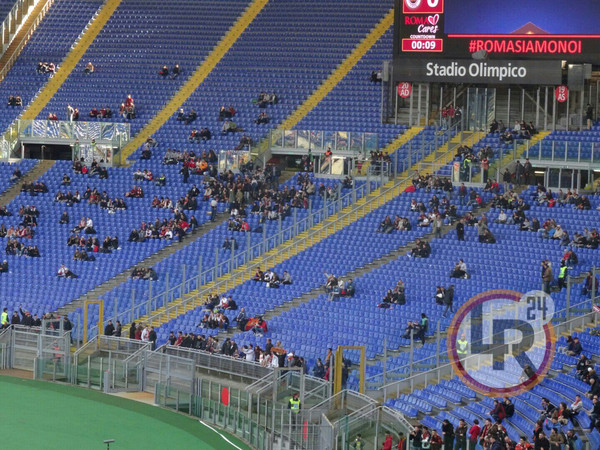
506 30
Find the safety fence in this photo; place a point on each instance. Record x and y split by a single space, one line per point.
217 391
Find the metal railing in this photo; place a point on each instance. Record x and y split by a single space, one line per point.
240 259
209 363
233 160
563 151
113 133
418 152
340 142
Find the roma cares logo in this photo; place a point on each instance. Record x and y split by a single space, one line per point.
502 342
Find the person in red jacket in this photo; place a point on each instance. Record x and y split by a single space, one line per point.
388 442
498 412
474 434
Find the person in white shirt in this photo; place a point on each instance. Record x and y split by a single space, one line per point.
460 270
146 334
576 406
501 217
224 302
213 210
89 226
274 361
249 352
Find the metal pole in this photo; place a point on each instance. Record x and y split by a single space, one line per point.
280 240
216 263
183 280
199 272
593 284
396 108
537 108
546 109
166 289
568 297
385 356
553 113
412 350
508 110
437 345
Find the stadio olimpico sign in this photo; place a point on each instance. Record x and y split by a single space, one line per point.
481 72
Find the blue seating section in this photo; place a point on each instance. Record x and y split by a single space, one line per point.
333 255
7 169
140 37
569 145
354 104
44 291
201 254
426 141
51 42
5 7
317 39
563 386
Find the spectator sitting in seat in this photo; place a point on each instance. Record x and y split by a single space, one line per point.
259 275
460 270
205 134
349 289
191 117
574 348
498 413
164 72
487 237
16 175
376 76
385 226
506 137
262 118
161 180
422 249
245 141
144 274
228 127
331 283
287 278
89 68
64 272
181 115
260 327
175 72
502 218
412 327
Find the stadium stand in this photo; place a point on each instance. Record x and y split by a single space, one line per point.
304 56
